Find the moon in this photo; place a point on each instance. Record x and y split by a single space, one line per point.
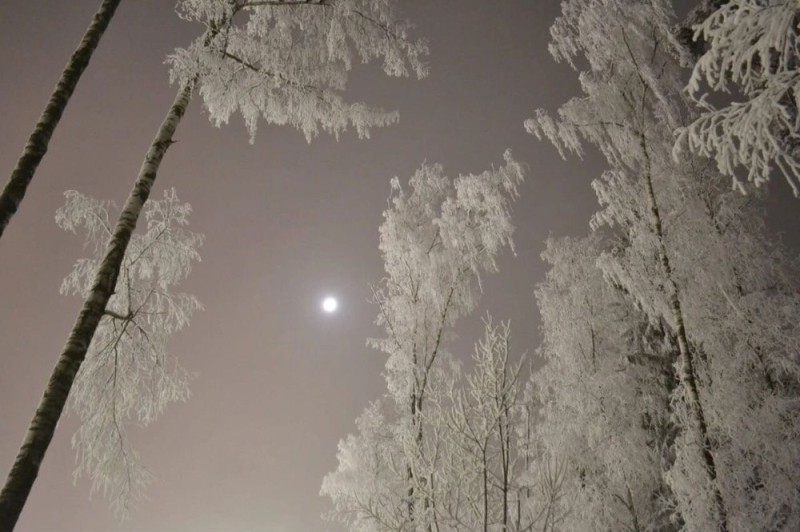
330 304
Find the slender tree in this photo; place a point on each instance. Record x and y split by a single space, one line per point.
482 434
629 113
35 149
437 240
40 432
285 61
693 257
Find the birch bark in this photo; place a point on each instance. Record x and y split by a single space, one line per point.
38 142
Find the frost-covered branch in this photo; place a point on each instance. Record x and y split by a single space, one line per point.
437 239
751 57
128 374
295 61
674 253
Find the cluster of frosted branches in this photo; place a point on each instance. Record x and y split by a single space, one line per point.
436 241
439 237
128 375
752 58
604 391
287 62
688 325
475 470
669 395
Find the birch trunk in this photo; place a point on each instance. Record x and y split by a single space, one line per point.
485 490
687 373
35 149
409 470
40 432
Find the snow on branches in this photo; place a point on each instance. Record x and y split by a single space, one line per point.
440 235
437 240
751 58
287 61
128 375
692 257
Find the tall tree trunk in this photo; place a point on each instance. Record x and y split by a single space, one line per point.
40 432
485 490
38 142
687 373
409 469
423 480
505 440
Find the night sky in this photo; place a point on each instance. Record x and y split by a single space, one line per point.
278 382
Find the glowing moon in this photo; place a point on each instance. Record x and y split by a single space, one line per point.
329 304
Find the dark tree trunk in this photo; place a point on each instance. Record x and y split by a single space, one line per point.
687 372
39 140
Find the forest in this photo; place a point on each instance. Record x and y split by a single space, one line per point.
582 313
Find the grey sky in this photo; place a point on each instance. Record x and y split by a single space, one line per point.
278 383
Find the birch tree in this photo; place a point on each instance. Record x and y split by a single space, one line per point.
39 140
677 259
721 262
283 61
482 425
437 240
748 344
751 56
605 391
629 114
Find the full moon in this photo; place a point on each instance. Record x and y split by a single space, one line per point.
329 304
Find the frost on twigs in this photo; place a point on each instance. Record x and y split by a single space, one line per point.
367 486
635 72
287 62
128 375
604 391
437 240
677 317
753 52
439 236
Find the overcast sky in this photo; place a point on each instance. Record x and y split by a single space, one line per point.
278 383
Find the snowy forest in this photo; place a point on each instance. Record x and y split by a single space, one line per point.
582 312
